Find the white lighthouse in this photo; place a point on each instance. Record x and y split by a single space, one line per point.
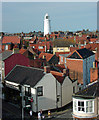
47 27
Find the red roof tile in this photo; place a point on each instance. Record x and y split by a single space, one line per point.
47 55
11 39
58 76
22 50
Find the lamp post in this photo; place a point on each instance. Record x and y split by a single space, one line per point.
22 104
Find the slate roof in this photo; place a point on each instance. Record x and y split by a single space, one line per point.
85 53
5 54
90 91
25 75
81 54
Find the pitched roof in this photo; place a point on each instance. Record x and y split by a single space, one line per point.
63 42
59 76
22 51
11 39
5 54
90 91
85 53
25 75
81 54
47 55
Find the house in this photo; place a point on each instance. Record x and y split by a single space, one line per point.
43 46
48 89
65 89
62 58
62 45
8 42
12 60
79 63
3 55
36 83
50 58
86 103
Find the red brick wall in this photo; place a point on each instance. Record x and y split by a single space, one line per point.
61 61
75 69
3 47
14 59
93 74
76 65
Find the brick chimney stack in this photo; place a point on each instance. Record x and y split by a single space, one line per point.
47 69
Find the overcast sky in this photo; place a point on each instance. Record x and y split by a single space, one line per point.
29 16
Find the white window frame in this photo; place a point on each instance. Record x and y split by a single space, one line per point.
65 60
75 107
41 47
6 47
61 59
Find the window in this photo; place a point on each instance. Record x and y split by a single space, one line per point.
40 91
27 91
65 60
86 106
89 106
41 47
6 47
81 106
73 89
61 59
46 17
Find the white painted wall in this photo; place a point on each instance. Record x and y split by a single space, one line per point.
48 100
67 88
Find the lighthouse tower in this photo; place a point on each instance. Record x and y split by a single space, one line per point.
47 27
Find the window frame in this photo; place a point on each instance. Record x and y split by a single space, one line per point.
40 91
75 107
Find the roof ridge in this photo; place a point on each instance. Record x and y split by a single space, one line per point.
30 67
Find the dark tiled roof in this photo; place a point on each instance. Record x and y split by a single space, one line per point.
25 75
81 54
85 53
90 91
5 54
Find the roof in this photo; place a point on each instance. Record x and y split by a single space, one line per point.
90 91
5 54
63 42
59 76
81 54
11 39
25 75
64 55
47 55
22 51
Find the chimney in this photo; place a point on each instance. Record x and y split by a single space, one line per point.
47 69
93 74
64 71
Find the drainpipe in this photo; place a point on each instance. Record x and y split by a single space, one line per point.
36 100
56 95
61 95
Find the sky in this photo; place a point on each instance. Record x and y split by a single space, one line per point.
64 16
